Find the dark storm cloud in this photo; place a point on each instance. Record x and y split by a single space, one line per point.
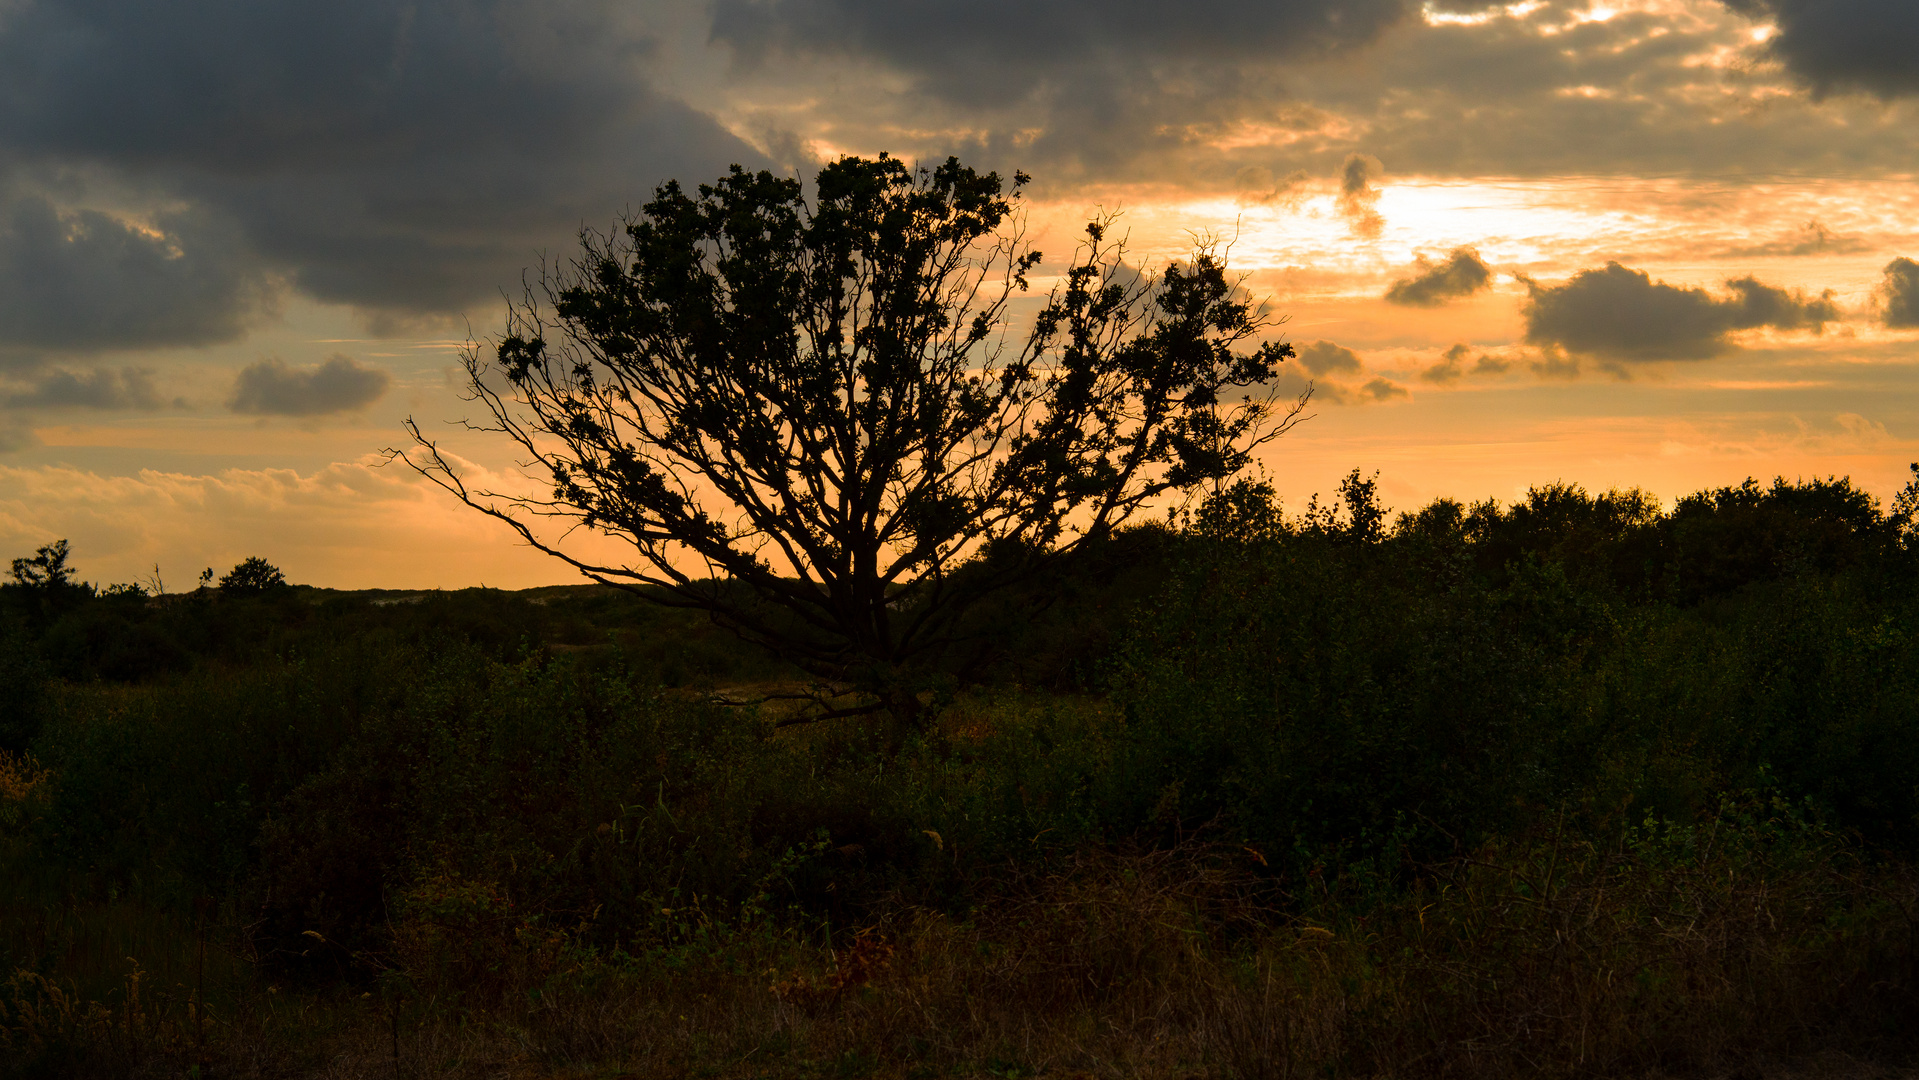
271 388
401 157
1620 314
101 388
1545 93
1534 90
1838 45
86 280
1898 293
995 51
1462 274
434 233
1071 90
1326 358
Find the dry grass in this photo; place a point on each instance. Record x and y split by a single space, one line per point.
20 778
1544 959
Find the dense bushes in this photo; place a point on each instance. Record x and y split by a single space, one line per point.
1475 668
1346 715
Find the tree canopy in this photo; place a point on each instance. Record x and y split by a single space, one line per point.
45 569
252 575
813 413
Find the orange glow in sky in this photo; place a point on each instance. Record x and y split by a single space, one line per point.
1630 243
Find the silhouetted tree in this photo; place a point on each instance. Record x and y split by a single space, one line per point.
45 569
253 575
806 415
44 586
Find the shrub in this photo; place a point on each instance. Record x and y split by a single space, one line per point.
252 575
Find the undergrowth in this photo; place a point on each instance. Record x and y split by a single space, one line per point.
1571 788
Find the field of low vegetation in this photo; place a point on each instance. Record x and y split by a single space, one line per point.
1578 786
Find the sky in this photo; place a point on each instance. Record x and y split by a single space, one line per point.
1665 244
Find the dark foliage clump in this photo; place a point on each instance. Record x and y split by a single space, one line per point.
252 575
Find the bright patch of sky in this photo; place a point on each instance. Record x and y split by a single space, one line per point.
1624 243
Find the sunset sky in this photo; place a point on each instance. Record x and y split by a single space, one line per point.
1652 243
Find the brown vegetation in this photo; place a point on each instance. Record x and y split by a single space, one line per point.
1700 954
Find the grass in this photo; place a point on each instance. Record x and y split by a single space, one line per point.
1716 948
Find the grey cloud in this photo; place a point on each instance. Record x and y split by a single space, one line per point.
102 388
1837 45
1325 364
1383 389
1358 198
436 233
400 157
1449 368
1462 274
16 434
1619 314
1449 365
1325 358
1259 187
1625 95
998 51
1612 96
1534 90
1812 238
1755 304
271 388
1289 382
1898 293
1452 365
1072 91
84 280
1557 367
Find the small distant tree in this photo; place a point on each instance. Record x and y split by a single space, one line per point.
819 419
44 586
46 569
253 575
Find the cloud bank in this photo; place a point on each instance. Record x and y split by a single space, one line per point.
102 388
164 168
994 51
84 280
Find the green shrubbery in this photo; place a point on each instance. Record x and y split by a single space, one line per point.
1350 720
